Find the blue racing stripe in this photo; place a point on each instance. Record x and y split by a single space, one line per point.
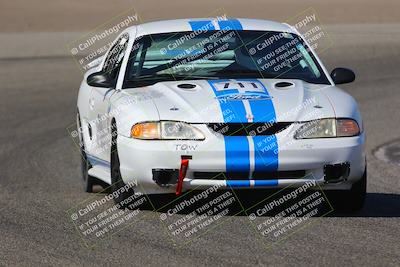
265 147
238 183
230 24
237 156
232 111
260 183
262 110
203 25
265 153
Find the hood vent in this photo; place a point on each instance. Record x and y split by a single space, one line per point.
284 85
186 86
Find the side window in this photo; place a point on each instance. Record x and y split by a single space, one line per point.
136 64
114 58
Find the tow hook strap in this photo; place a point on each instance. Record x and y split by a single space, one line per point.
182 174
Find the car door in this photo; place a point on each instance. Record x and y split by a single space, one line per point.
99 101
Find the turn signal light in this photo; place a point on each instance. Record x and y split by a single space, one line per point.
347 127
147 130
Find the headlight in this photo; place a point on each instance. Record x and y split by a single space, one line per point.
326 128
166 130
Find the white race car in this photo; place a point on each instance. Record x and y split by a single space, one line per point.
233 103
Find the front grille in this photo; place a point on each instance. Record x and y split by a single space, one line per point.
245 175
248 129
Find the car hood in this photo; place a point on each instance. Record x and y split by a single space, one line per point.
245 100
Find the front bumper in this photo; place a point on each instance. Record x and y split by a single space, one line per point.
140 158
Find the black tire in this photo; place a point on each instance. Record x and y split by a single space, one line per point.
88 181
116 178
353 199
357 193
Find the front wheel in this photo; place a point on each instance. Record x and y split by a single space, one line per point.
353 199
88 180
116 179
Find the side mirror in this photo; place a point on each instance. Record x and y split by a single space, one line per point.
342 75
99 79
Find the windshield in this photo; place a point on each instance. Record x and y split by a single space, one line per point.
221 55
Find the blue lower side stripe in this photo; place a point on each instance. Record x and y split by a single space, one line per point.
238 183
247 183
97 161
260 183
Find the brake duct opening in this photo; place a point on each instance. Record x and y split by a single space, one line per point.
334 173
172 177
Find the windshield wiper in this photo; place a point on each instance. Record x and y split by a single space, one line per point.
197 77
246 72
151 77
146 80
172 77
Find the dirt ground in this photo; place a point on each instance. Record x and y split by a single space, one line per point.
76 15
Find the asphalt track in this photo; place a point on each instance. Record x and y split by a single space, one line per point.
40 175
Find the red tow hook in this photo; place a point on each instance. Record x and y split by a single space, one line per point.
182 174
